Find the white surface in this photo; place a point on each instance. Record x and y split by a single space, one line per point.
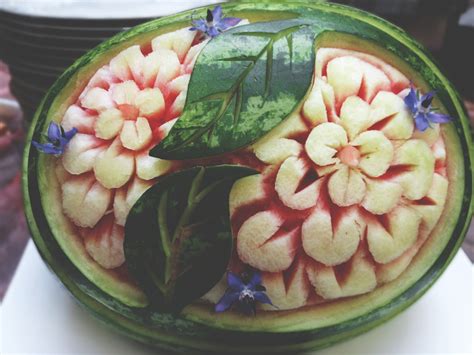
39 316
9 108
467 18
87 9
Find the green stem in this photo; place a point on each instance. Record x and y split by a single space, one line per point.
196 184
289 41
195 197
168 269
156 281
183 220
269 69
238 103
207 191
190 208
163 223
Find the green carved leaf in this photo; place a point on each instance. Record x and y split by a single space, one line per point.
178 238
244 83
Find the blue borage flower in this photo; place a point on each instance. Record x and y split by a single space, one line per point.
420 106
243 292
214 24
57 139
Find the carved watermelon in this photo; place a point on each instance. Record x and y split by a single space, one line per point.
352 212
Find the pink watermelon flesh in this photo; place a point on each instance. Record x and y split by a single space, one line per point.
348 192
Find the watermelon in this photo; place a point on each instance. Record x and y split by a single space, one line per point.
349 211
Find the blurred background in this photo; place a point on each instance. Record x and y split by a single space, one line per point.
39 39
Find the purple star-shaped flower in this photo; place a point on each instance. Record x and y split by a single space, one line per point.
423 113
244 292
57 139
214 24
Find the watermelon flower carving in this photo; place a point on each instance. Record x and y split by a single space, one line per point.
214 23
57 138
127 107
244 292
350 158
305 165
349 192
420 106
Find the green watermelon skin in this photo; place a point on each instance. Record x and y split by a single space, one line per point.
198 329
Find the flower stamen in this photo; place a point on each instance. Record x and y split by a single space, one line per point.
349 156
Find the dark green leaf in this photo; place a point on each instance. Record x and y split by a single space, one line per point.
177 236
245 82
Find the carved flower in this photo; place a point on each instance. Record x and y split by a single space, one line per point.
127 108
350 192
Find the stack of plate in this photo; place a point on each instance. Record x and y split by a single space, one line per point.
40 39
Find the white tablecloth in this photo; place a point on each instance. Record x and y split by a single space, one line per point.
39 316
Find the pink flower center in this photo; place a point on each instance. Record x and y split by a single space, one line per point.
349 155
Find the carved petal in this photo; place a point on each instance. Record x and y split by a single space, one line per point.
126 197
355 116
361 278
277 150
376 152
128 64
149 167
246 190
81 153
346 187
402 230
114 166
416 182
261 243
345 76
287 290
291 172
382 196
323 142
136 135
431 211
387 105
314 108
85 200
104 244
327 243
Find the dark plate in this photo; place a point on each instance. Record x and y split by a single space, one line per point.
31 64
17 45
29 87
34 58
58 40
31 71
26 100
85 31
28 107
33 82
31 102
38 59
40 22
39 49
